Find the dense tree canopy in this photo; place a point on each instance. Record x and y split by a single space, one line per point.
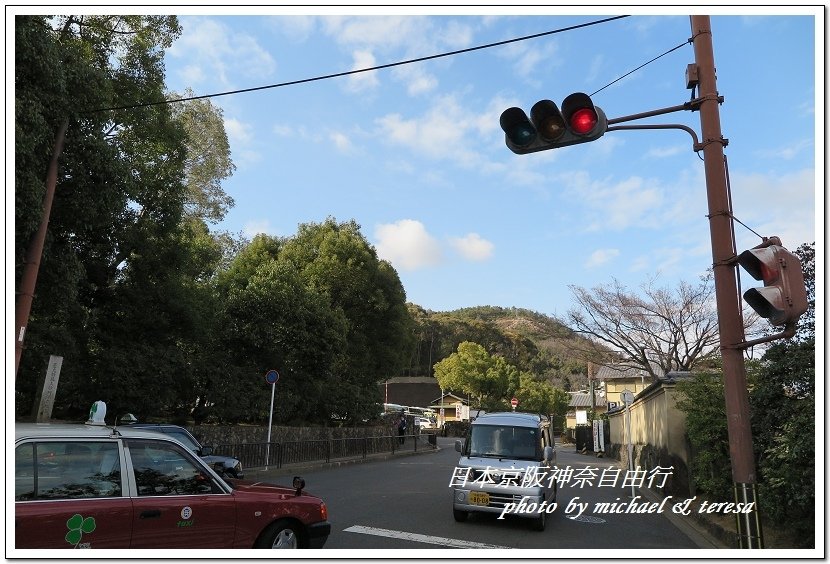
152 311
120 182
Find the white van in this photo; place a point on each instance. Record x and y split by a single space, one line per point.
505 468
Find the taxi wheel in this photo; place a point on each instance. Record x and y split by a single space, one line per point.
459 516
280 534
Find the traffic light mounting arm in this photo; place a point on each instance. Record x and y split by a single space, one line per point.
691 105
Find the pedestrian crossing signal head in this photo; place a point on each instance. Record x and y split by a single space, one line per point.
783 299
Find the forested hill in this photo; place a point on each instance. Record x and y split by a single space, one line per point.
534 342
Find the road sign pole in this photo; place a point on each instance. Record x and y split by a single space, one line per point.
271 377
628 398
270 418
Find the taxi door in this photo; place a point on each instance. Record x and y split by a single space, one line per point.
177 504
69 494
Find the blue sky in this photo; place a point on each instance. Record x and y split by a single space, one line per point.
415 154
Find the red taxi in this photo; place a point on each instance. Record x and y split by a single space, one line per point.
98 486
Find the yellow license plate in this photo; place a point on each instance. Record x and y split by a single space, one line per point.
479 498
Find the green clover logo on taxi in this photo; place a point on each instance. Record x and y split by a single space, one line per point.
78 525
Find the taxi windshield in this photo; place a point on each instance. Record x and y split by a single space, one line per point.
185 439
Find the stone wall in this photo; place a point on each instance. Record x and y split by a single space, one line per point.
244 434
658 436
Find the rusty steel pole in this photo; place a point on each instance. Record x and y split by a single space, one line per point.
28 279
730 319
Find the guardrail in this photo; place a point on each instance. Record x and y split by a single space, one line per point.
255 455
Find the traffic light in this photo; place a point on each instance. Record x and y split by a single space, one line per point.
579 121
784 297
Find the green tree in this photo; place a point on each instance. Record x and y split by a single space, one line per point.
276 321
490 380
536 395
701 399
336 260
208 160
783 405
120 175
124 291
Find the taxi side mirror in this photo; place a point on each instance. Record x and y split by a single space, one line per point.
298 484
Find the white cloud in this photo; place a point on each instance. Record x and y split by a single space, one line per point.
531 61
283 130
448 130
625 204
256 226
600 257
241 140
341 141
418 81
663 152
215 52
472 247
238 132
297 28
392 31
407 245
392 38
193 74
362 81
783 205
788 152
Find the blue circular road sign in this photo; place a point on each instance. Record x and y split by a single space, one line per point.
272 376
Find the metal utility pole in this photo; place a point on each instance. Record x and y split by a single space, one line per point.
26 293
724 257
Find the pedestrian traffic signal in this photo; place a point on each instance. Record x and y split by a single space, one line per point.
579 121
783 298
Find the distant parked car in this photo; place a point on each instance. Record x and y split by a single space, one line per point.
225 465
126 486
425 424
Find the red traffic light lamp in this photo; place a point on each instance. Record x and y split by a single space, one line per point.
783 299
579 121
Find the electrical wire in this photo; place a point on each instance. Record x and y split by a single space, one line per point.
641 66
347 73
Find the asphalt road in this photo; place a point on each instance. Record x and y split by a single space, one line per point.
404 504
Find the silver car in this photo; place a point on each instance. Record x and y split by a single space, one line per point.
227 466
505 468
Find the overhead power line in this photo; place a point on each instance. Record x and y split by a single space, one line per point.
641 66
369 69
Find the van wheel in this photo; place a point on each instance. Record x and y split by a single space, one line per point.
539 523
459 515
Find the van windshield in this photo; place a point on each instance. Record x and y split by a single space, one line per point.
497 441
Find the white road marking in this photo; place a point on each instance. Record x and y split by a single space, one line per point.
415 537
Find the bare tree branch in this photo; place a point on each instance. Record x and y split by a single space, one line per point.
657 330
